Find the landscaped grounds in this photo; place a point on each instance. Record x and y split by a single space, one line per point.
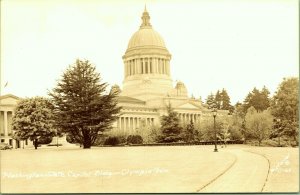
236 168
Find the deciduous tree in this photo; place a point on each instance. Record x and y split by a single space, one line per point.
285 106
34 120
259 124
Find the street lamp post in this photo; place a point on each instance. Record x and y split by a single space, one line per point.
214 115
56 138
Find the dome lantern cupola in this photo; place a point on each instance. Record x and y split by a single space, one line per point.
145 19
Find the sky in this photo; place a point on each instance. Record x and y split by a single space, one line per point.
215 44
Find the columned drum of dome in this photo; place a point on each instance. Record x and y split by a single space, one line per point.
146 63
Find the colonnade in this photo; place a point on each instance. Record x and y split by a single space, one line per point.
132 123
147 66
187 117
5 126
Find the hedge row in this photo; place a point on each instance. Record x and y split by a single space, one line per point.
180 143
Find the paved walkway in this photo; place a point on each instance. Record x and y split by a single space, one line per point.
237 168
284 168
248 174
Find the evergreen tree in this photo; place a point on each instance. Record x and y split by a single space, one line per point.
258 99
83 108
34 120
225 100
190 132
170 127
218 100
264 99
211 102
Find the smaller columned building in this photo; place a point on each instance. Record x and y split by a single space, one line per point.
8 104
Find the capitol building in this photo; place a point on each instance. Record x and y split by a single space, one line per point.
148 87
146 92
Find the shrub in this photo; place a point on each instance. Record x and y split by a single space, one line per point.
45 140
134 139
100 140
115 140
112 140
269 142
70 139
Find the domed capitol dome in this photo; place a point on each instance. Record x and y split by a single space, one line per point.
146 59
146 37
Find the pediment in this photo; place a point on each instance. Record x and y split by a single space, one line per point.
9 100
187 106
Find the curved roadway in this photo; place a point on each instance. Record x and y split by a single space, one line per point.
248 174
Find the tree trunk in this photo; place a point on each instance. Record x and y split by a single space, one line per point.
35 143
87 144
296 141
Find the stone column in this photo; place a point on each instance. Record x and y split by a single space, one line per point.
148 64
130 67
156 65
5 124
133 124
164 66
125 69
135 66
121 123
159 65
141 65
144 70
168 67
153 66
125 123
